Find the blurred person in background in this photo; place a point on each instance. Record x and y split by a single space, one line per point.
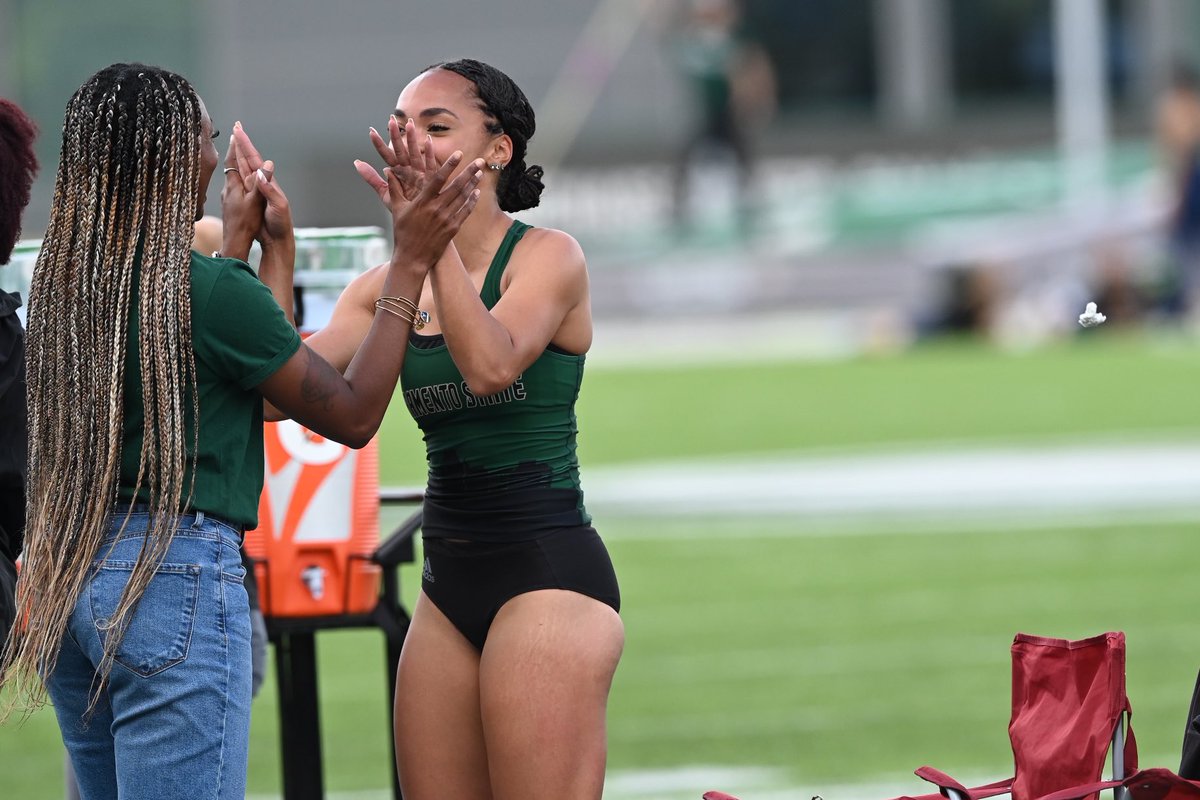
503 683
970 300
148 367
1115 288
731 83
1178 133
1177 129
18 166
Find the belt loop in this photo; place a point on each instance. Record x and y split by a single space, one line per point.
198 521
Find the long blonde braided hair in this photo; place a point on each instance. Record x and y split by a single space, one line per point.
118 244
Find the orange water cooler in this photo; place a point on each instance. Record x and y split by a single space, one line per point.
320 566
318 525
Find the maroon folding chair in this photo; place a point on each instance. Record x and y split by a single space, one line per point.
1068 708
1146 784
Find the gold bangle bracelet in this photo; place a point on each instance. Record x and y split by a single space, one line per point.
419 317
410 319
401 301
382 302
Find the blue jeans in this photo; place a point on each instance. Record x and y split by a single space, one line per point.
174 720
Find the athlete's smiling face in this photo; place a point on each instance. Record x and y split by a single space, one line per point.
444 105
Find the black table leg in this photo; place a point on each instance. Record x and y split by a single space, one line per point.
299 716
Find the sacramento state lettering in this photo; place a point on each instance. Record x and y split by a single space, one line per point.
514 392
441 397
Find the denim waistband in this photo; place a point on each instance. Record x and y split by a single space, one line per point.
191 523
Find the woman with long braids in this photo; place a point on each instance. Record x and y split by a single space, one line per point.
505 673
148 365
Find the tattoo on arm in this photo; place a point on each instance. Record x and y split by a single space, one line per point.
320 381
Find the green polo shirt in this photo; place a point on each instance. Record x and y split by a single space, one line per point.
240 337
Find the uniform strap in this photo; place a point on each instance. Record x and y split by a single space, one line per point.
490 293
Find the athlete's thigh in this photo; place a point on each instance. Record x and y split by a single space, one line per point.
544 680
440 752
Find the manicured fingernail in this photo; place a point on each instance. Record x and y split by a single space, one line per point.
262 176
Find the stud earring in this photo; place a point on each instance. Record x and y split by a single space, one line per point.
496 167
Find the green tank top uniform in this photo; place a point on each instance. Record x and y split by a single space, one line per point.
501 467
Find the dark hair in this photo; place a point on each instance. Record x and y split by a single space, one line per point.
500 98
18 165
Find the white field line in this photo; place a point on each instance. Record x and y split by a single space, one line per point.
997 485
689 782
749 783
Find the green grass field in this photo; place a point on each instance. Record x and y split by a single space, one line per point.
835 655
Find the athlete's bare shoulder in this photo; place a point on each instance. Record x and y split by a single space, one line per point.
554 243
550 249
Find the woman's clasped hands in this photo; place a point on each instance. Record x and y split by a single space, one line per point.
253 205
